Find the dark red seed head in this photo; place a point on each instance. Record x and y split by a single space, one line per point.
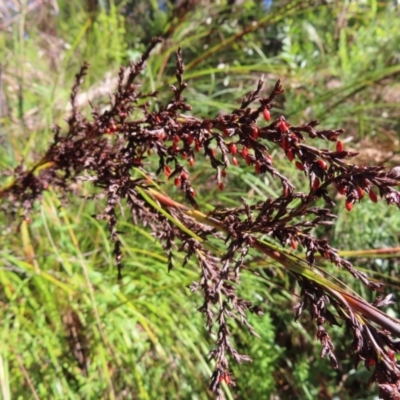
285 144
189 140
167 170
349 205
299 166
267 115
232 148
316 184
177 182
282 125
290 155
255 133
184 176
373 196
322 164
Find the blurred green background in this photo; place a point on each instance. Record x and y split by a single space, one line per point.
69 330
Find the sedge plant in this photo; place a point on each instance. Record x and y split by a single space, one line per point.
128 152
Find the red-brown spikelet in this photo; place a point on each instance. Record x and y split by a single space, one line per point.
255 133
167 171
316 183
267 115
232 148
349 205
290 155
282 125
373 196
322 164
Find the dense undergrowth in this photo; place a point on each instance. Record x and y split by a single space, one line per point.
71 329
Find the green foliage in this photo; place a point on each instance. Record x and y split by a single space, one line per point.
69 329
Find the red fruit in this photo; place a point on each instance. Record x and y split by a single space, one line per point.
341 189
391 354
370 362
284 144
282 125
339 146
184 155
257 167
322 164
192 192
184 176
248 160
299 166
225 132
189 140
315 184
167 170
373 196
177 182
293 243
349 205
223 173
360 192
197 146
162 136
191 161
221 186
255 133
234 161
267 115
290 155
245 152
232 148
225 378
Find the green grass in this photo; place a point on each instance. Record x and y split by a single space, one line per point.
70 329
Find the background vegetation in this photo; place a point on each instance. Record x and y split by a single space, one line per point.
69 329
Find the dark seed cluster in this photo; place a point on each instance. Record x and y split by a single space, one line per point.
107 147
